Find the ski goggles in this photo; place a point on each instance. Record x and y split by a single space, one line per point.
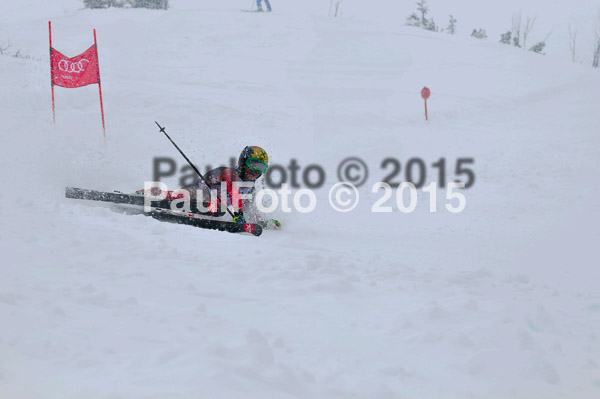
257 165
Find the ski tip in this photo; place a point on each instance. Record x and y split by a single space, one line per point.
253 229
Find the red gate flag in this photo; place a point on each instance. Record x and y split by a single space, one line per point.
425 93
78 71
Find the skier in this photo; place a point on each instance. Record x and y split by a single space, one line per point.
252 164
258 4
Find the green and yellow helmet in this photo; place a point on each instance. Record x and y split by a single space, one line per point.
255 158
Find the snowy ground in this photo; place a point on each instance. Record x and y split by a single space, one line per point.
500 301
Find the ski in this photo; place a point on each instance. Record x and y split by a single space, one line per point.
161 211
212 224
130 199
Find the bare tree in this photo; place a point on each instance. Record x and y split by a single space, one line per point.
516 29
3 48
527 29
154 4
335 6
573 43
596 58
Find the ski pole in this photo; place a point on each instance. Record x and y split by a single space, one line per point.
162 129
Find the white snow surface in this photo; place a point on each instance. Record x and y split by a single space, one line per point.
499 301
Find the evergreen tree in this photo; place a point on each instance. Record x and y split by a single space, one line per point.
538 47
505 38
413 20
479 33
97 3
423 9
431 26
451 29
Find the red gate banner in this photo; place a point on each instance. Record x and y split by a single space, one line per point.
78 71
425 93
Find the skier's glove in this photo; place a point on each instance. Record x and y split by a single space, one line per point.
239 219
275 224
270 224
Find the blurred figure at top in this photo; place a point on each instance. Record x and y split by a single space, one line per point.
258 4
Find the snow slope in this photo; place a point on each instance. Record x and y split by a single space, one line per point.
499 301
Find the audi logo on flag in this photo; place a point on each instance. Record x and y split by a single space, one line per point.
77 71
73 67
